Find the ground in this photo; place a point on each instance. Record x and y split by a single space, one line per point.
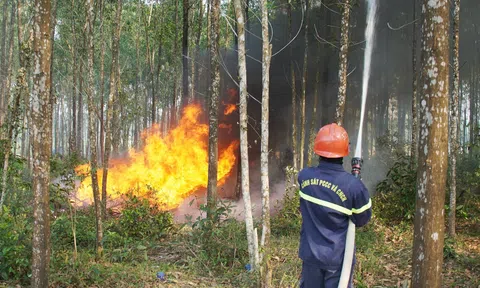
383 257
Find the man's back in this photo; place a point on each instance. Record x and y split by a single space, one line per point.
329 196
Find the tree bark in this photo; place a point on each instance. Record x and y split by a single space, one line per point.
427 255
91 126
3 99
294 90
304 89
313 124
42 142
173 111
242 73
80 104
114 77
102 86
185 54
414 144
73 49
265 239
454 120
152 75
342 71
196 70
213 108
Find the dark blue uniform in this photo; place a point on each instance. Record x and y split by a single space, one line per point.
329 197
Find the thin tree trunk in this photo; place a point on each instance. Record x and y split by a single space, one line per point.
313 124
414 144
80 106
10 54
3 98
242 72
91 126
265 239
42 143
173 112
73 49
304 89
111 99
427 258
196 70
472 111
294 90
454 120
213 109
152 75
185 54
102 91
136 139
342 71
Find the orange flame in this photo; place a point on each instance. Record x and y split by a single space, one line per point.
229 109
167 170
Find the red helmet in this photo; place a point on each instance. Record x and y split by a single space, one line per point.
331 142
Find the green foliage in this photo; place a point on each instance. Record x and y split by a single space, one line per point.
62 234
15 245
140 219
63 165
395 198
288 221
222 240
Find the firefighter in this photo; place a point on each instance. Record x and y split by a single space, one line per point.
329 197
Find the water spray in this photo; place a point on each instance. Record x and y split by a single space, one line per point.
357 160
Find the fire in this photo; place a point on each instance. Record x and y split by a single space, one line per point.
229 108
166 170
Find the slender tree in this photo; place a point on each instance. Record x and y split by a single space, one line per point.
213 106
102 85
454 120
293 87
313 124
304 88
42 142
114 78
73 50
342 71
185 53
92 133
432 170
414 144
265 239
242 75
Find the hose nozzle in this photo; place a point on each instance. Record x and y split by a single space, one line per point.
357 163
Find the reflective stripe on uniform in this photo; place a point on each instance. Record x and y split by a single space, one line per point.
325 204
334 206
364 208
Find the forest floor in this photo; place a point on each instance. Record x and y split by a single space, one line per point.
384 252
383 260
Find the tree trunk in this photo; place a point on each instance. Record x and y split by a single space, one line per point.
294 90
111 99
414 145
313 124
454 120
91 126
173 111
136 139
213 108
3 98
242 72
42 142
185 59
80 105
196 71
73 48
265 239
471 122
152 75
342 71
304 89
20 89
102 87
432 170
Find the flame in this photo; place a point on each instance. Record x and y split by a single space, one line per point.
229 109
167 170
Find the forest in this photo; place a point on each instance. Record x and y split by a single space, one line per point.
158 143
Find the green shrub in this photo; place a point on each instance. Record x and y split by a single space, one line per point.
139 220
395 196
62 234
15 246
223 241
288 221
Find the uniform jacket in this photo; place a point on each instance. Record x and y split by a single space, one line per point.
329 196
